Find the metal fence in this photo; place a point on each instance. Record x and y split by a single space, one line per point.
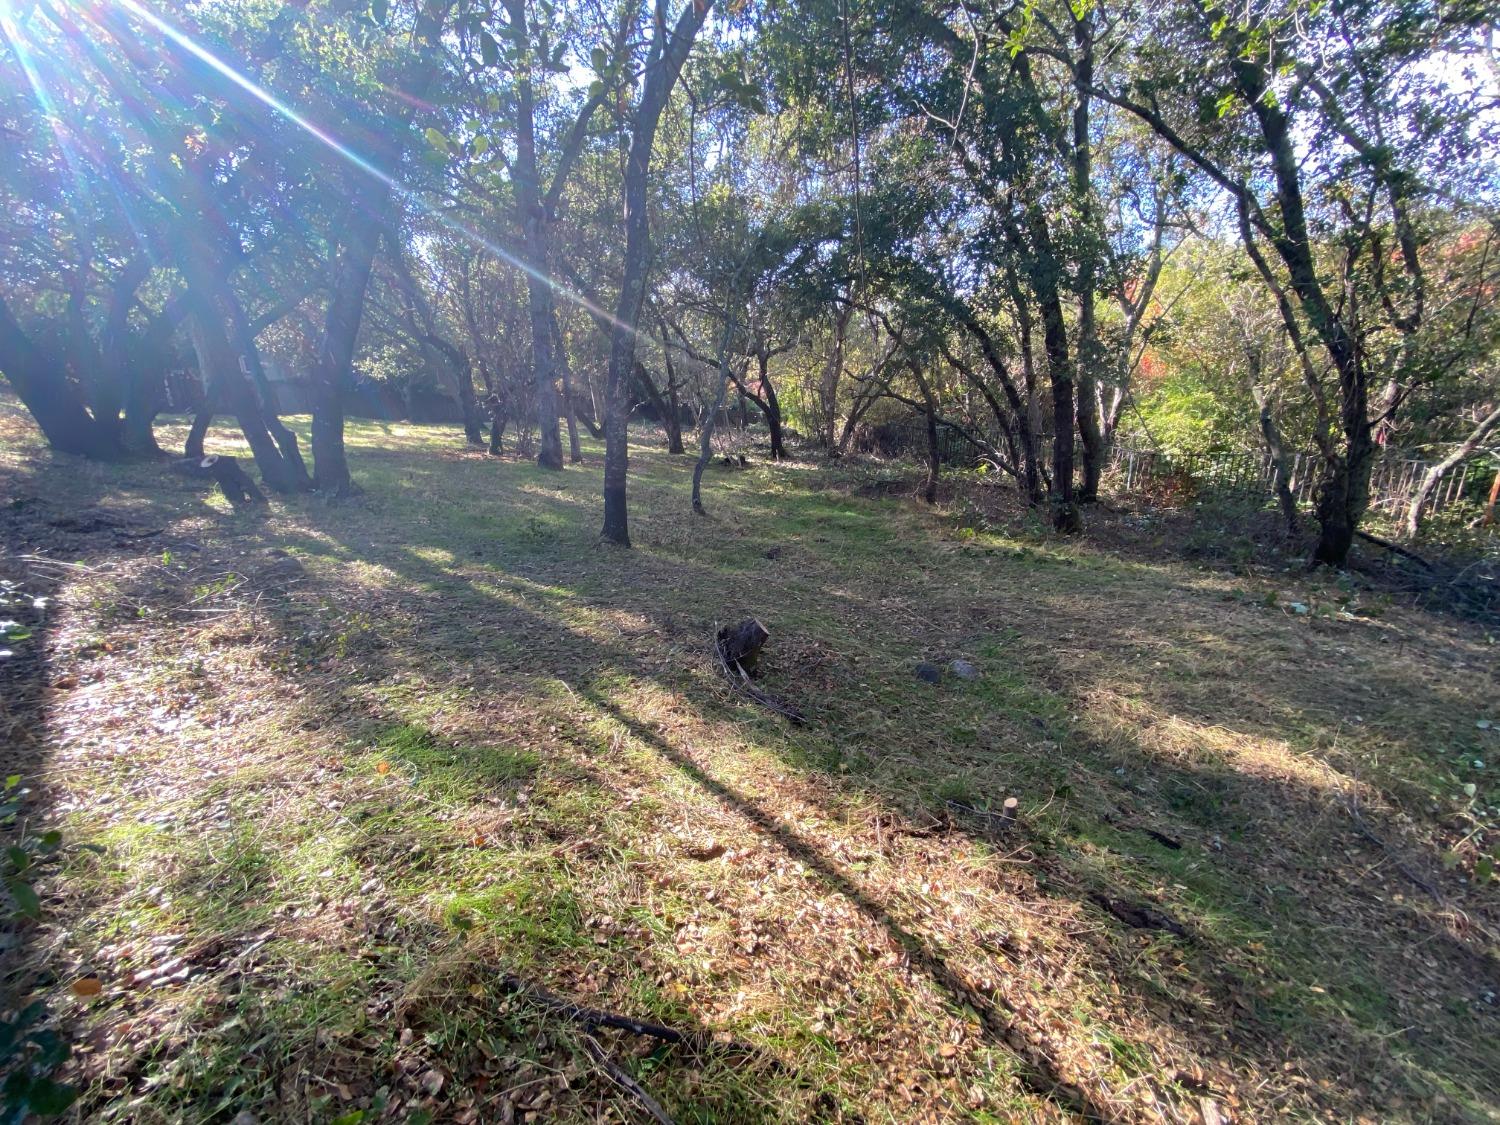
1393 480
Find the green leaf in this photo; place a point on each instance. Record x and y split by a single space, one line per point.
50 841
353 1117
19 860
489 50
1484 869
436 139
12 781
379 9
49 1098
26 901
481 145
599 59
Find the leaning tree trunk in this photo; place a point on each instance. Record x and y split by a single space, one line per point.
1433 475
286 440
332 371
42 387
220 369
192 449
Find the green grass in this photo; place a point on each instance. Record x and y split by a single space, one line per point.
364 761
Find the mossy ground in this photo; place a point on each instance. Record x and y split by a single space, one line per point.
356 767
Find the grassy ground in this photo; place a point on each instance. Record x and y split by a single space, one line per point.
358 770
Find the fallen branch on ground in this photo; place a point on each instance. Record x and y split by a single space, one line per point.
1394 548
622 1079
737 650
591 1017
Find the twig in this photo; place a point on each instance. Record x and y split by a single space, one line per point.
589 1017
625 1081
1396 861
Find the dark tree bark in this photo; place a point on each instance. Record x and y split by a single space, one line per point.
192 448
219 366
934 454
146 377
1044 282
41 384
249 354
673 421
663 65
570 408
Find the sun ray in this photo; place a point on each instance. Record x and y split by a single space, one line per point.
365 165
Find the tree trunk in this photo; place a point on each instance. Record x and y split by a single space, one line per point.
705 442
663 66
533 219
673 421
197 432
1065 514
42 387
146 376
934 455
221 372
333 368
1433 475
1088 351
249 356
1029 411
1281 476
575 451
773 420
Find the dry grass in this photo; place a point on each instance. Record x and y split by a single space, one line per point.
355 766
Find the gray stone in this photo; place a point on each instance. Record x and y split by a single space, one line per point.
931 673
963 670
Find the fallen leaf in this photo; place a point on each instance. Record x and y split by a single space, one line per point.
382 767
87 986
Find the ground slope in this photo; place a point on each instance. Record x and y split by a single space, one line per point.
368 776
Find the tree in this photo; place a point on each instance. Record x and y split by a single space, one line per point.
665 57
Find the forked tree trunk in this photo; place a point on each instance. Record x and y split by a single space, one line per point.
285 439
1281 477
221 370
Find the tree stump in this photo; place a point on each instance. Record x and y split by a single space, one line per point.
740 644
236 485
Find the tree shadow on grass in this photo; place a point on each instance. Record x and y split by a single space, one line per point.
658 584
1274 1038
545 611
